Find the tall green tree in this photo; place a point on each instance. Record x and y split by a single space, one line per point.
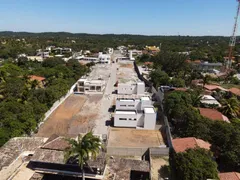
176 103
195 164
159 77
83 149
206 79
225 140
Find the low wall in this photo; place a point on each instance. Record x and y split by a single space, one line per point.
120 151
157 151
56 104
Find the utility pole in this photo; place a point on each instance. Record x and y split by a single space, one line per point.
233 38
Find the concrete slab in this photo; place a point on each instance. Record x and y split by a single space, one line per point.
126 137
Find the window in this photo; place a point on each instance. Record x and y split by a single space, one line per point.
81 83
92 88
122 105
122 119
98 88
132 119
130 105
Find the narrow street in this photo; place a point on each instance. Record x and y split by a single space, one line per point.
101 123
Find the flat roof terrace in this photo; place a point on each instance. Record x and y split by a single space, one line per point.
99 72
126 73
15 146
125 137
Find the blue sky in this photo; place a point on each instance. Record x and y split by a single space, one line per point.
149 17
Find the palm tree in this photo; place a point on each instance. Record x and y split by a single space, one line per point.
206 79
34 84
83 149
230 107
196 100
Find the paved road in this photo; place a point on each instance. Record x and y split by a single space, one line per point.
100 126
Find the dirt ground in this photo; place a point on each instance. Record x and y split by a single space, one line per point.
75 115
156 164
127 65
127 137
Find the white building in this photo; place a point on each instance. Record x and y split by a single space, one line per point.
133 88
209 101
135 112
85 86
35 58
95 82
137 52
89 59
104 58
110 50
133 106
50 48
44 54
131 56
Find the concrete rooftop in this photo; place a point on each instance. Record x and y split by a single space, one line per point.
126 73
99 72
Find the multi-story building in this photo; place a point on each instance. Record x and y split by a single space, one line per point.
101 58
135 112
95 82
133 105
85 85
131 88
104 58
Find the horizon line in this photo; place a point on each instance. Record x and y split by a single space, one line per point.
102 34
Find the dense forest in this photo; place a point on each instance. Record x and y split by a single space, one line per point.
23 102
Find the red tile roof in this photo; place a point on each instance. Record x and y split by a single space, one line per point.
212 87
38 78
229 176
213 114
235 91
182 144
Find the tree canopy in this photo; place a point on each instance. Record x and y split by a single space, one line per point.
195 164
23 102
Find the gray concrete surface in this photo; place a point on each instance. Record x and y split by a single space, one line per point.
100 123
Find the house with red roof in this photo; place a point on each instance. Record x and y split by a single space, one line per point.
39 79
182 144
213 114
229 176
214 87
235 91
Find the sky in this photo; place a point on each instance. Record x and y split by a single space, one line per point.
147 17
